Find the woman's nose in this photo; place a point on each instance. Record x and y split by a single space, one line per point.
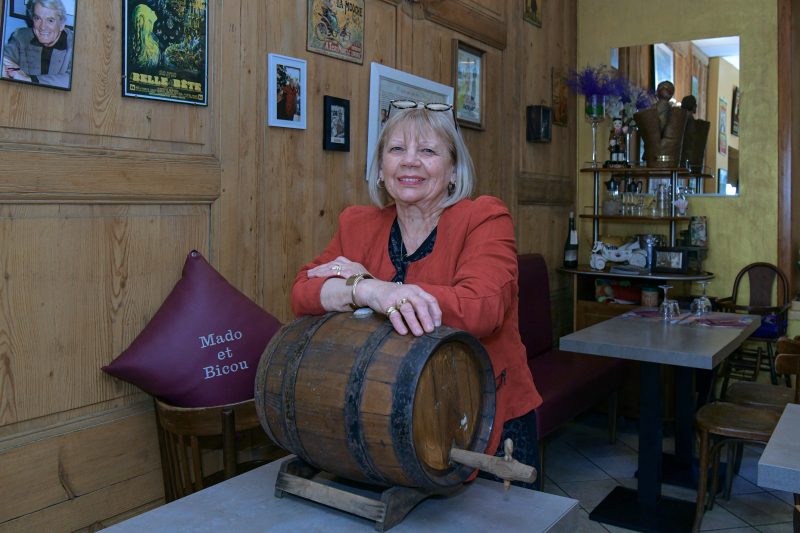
410 157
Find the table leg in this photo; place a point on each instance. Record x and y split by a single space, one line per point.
646 509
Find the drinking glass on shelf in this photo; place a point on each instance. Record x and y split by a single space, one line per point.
701 305
669 309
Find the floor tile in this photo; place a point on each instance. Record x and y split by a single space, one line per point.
786 527
567 465
588 526
758 509
721 518
589 493
788 497
618 466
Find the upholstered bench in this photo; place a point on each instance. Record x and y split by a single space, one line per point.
570 383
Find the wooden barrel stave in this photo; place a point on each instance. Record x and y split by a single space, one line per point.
353 398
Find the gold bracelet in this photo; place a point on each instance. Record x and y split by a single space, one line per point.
353 281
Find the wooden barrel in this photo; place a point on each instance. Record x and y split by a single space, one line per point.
351 397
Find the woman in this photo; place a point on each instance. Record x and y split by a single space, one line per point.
430 257
42 53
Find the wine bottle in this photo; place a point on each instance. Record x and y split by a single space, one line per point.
571 244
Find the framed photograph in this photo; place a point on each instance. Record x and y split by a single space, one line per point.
387 84
737 96
336 29
23 43
469 83
670 260
533 12
560 96
336 124
165 51
663 64
287 92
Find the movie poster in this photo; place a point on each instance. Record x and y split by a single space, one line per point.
165 50
336 29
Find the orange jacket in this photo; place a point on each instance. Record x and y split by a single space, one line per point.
472 272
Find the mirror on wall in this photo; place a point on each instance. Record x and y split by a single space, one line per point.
707 69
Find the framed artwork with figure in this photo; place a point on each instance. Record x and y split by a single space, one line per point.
286 103
469 84
38 42
533 12
336 124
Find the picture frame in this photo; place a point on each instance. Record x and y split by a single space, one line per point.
533 12
560 96
336 124
287 83
18 34
469 82
672 260
336 29
735 101
387 84
172 67
663 64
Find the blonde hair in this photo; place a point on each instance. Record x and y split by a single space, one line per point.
423 120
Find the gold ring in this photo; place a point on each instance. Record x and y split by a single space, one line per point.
402 301
389 310
337 268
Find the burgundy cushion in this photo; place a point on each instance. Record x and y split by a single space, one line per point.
535 326
202 347
570 383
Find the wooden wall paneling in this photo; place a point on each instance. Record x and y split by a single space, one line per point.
484 21
242 80
79 283
97 467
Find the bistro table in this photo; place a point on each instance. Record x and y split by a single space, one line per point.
685 343
779 466
246 503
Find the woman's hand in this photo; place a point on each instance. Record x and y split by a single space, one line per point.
408 307
341 266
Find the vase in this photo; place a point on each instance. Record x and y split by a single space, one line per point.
632 145
595 110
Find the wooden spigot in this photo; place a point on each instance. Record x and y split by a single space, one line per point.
506 468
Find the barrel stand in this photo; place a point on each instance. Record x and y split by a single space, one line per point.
388 510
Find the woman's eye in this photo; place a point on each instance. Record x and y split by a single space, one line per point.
429 151
395 148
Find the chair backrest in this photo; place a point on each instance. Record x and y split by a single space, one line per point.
762 278
186 435
535 323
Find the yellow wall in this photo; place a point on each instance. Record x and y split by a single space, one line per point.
742 229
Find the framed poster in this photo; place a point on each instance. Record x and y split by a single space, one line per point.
560 97
723 120
469 83
533 12
663 64
28 29
737 97
387 84
336 124
336 29
287 92
165 50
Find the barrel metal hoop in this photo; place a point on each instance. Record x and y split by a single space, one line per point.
261 374
289 382
356 441
403 407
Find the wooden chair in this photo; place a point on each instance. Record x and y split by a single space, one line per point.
764 395
205 445
764 279
721 423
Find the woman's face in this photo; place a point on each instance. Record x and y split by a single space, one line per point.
47 25
416 167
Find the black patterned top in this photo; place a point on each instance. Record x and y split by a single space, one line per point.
397 251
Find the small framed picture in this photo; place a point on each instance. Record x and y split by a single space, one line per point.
24 42
533 12
663 64
737 98
287 92
336 124
469 84
336 29
670 260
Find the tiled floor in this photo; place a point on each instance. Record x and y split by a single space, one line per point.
581 464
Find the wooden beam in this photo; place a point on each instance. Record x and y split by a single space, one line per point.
460 17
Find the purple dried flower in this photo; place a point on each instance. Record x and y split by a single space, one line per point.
591 80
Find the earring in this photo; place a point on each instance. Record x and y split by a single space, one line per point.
380 183
451 188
